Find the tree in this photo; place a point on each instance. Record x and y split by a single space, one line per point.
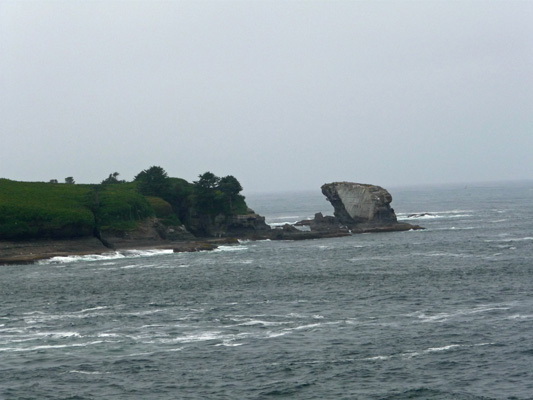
53 180
230 185
112 179
207 180
69 180
214 195
153 181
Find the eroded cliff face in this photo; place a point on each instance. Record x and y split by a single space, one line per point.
247 225
360 205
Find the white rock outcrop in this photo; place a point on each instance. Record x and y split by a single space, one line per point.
358 203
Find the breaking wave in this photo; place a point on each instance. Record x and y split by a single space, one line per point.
105 256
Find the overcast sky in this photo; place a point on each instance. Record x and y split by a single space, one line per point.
281 94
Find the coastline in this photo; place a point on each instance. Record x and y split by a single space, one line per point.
359 208
30 252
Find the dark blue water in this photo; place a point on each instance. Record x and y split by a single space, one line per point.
445 313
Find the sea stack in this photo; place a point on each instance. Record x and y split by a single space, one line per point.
363 208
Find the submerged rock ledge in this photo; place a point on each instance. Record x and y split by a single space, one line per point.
358 208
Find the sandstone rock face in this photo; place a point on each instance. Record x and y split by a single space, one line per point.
359 204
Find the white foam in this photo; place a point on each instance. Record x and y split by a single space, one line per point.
276 224
71 259
522 239
18 340
176 349
39 317
137 266
59 335
147 253
105 334
196 337
231 248
74 371
228 343
50 346
428 216
429 350
106 256
443 254
93 309
378 358
296 315
286 331
33 313
443 348
441 317
454 212
226 339
11 330
276 334
520 316
425 215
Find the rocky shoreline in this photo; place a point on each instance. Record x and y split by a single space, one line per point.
358 208
30 252
34 251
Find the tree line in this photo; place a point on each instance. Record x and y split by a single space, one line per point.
208 197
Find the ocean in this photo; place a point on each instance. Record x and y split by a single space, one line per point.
443 313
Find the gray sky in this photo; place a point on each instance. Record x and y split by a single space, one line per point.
283 95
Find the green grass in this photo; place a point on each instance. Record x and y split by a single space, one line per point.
40 210
118 207
35 210
30 210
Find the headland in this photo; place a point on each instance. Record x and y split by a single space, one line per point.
41 220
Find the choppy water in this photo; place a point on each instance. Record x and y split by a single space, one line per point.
445 313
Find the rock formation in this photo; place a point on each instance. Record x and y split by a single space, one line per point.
359 208
246 225
243 225
150 232
357 203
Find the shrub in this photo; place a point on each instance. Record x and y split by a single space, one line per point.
161 207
